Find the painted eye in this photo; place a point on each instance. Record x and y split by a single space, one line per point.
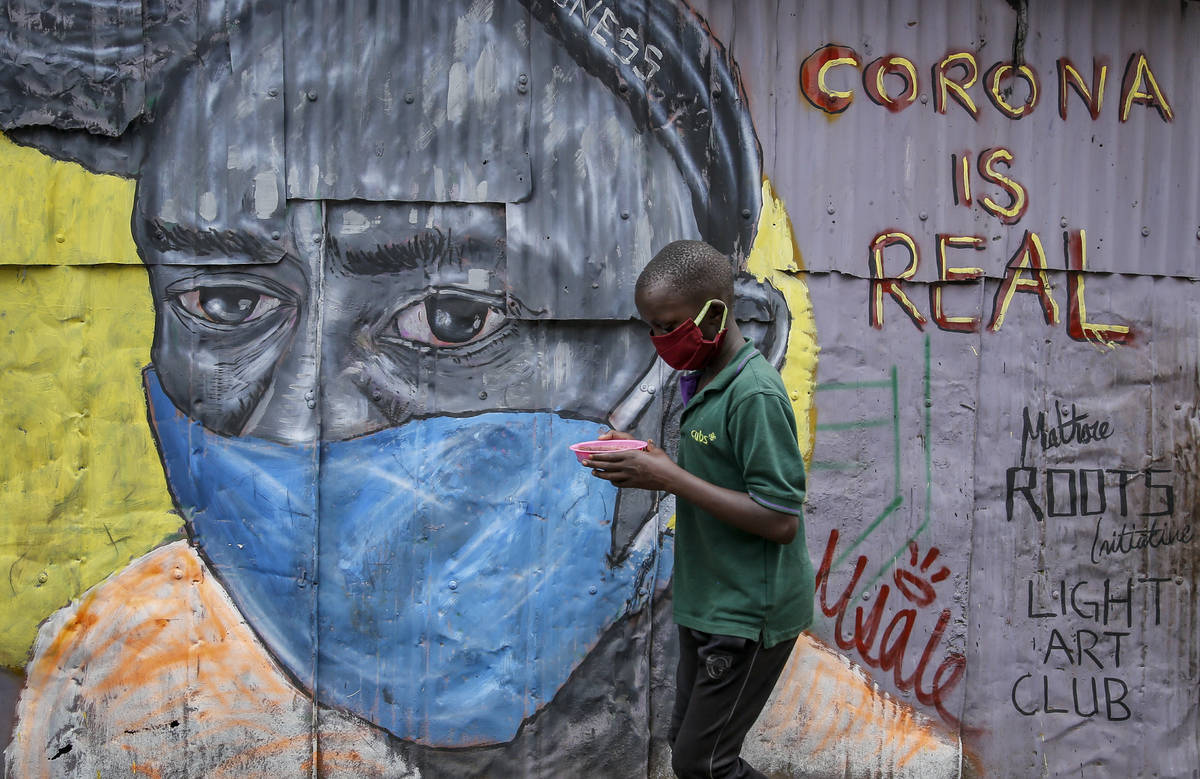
231 305
448 319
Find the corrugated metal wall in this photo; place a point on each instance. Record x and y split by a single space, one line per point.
302 304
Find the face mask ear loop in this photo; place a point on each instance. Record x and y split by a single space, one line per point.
704 312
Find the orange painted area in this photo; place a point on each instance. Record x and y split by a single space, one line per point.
158 655
829 709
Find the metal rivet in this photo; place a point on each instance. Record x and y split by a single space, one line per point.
642 388
453 585
60 238
376 395
642 591
43 577
177 573
273 92
1145 231
311 94
592 590
866 596
483 394
745 213
623 88
830 210
924 99
923 216
1179 580
595 285
409 98
275 236
317 238
1062 222
624 214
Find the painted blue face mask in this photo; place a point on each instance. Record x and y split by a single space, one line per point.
454 575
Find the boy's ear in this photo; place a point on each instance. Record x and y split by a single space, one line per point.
763 316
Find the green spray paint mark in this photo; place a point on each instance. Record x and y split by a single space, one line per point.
892 384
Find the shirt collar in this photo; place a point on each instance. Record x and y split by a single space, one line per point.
688 381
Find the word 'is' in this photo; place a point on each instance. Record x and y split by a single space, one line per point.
955 74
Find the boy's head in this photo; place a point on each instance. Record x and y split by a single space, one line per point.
679 280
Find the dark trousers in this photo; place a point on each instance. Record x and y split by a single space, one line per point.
721 686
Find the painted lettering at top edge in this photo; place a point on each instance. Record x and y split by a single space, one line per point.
606 28
955 76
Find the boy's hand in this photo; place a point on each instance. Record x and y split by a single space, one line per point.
612 435
647 469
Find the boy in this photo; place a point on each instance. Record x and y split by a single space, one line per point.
743 586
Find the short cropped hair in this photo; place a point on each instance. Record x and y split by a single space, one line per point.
694 269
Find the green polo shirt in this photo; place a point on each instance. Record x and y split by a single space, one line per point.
739 432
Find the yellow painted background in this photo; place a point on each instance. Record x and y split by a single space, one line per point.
81 488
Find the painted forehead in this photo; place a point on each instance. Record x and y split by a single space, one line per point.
483 110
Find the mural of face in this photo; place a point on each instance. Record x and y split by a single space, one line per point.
367 365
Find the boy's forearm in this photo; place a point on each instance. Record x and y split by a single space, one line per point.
734 508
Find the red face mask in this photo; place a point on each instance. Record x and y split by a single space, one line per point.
685 348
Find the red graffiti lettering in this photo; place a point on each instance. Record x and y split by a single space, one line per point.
887 652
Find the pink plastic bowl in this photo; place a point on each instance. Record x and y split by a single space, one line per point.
585 449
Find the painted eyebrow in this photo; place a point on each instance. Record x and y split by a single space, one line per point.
430 250
166 237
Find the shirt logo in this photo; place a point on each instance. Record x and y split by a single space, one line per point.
703 438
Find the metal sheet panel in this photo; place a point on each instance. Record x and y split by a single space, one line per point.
596 175
211 190
1126 177
71 65
384 101
1002 495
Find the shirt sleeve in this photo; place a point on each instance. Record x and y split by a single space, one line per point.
762 429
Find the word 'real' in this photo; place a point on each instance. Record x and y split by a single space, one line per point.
1027 271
